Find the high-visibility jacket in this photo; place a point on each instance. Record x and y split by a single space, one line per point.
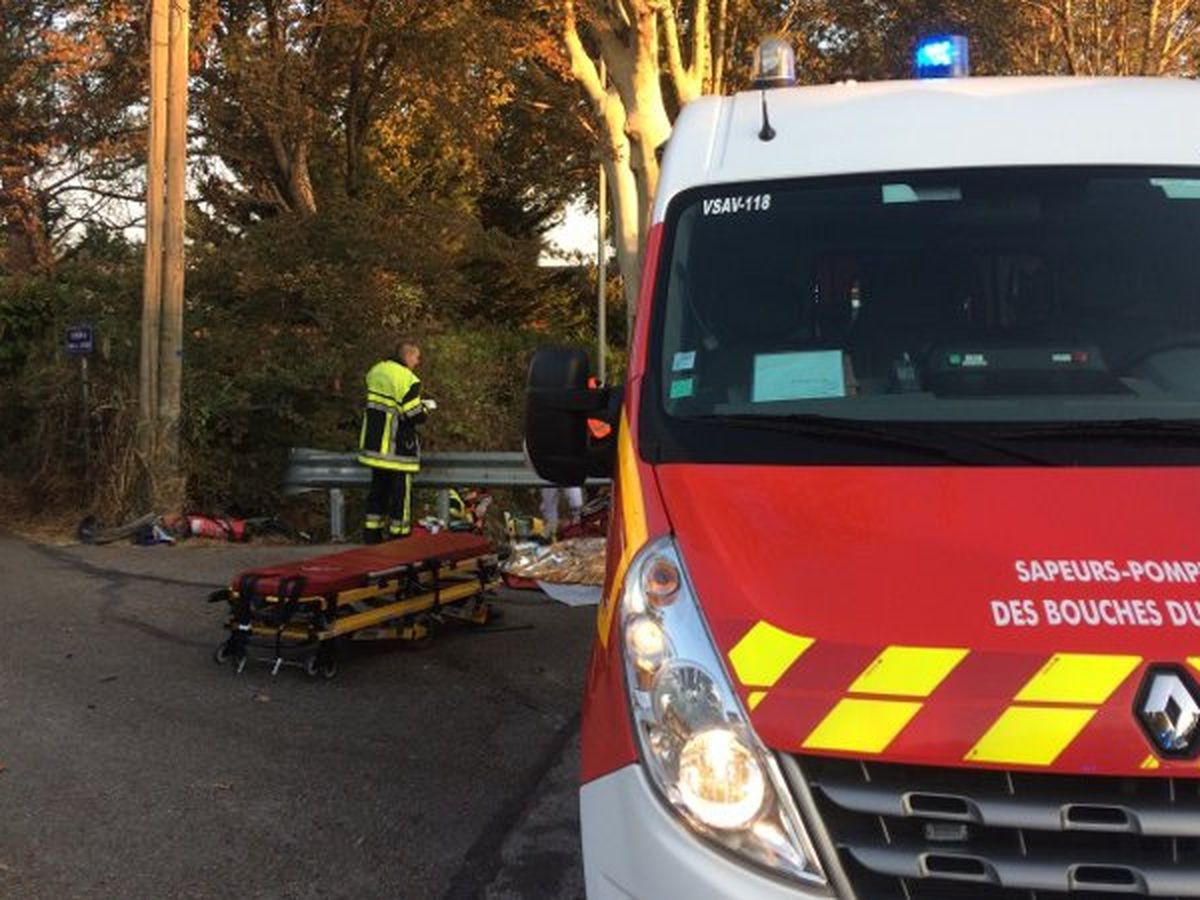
394 410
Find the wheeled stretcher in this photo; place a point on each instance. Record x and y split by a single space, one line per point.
297 613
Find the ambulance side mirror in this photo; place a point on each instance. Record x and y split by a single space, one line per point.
558 405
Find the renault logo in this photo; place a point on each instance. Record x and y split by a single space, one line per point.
1169 712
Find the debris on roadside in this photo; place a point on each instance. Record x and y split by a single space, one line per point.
151 529
573 561
89 530
572 594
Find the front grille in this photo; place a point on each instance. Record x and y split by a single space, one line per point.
916 832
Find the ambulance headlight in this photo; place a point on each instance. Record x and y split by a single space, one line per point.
720 779
697 744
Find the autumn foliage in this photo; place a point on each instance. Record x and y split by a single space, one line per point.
361 168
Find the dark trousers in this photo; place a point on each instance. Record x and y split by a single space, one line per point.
389 505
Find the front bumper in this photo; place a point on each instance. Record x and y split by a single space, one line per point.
633 847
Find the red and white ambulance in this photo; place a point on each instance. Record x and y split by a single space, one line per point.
903 593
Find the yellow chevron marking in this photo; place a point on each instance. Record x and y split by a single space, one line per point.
755 698
908 671
1078 678
1194 662
1030 735
862 726
1149 762
765 652
633 519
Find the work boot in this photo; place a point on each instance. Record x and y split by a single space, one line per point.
372 536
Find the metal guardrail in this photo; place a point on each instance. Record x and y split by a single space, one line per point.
334 471
316 469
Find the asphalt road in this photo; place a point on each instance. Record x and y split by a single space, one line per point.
133 766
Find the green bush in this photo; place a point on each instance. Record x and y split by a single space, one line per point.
281 325
45 437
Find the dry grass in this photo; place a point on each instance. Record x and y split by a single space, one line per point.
38 523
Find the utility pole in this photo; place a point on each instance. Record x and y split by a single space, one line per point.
152 271
161 361
602 263
170 346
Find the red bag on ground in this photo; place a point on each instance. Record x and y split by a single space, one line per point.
221 528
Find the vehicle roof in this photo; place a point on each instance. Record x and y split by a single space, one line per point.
896 126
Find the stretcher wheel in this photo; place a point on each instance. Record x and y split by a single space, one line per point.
221 654
326 668
323 663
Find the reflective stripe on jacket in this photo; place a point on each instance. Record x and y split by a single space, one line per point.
388 439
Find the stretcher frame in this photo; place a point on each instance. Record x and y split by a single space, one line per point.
405 602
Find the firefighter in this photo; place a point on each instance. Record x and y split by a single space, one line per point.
388 442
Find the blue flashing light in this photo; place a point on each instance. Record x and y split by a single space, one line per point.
943 57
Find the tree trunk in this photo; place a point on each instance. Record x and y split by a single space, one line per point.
288 140
633 112
292 178
634 123
300 189
627 231
357 103
353 152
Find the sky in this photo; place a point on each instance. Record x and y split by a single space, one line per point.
576 234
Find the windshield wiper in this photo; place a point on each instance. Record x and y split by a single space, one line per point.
1185 431
816 426
951 445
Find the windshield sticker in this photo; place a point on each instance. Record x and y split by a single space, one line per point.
739 203
1178 188
682 387
906 193
684 361
807 375
1176 610
968 360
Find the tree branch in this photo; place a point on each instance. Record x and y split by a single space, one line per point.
104 193
701 45
624 12
1173 43
1151 27
1068 16
718 74
680 76
583 67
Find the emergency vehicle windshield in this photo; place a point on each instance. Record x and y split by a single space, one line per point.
1017 315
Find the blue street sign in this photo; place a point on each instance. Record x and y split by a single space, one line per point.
81 340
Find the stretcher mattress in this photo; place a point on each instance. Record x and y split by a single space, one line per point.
350 569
